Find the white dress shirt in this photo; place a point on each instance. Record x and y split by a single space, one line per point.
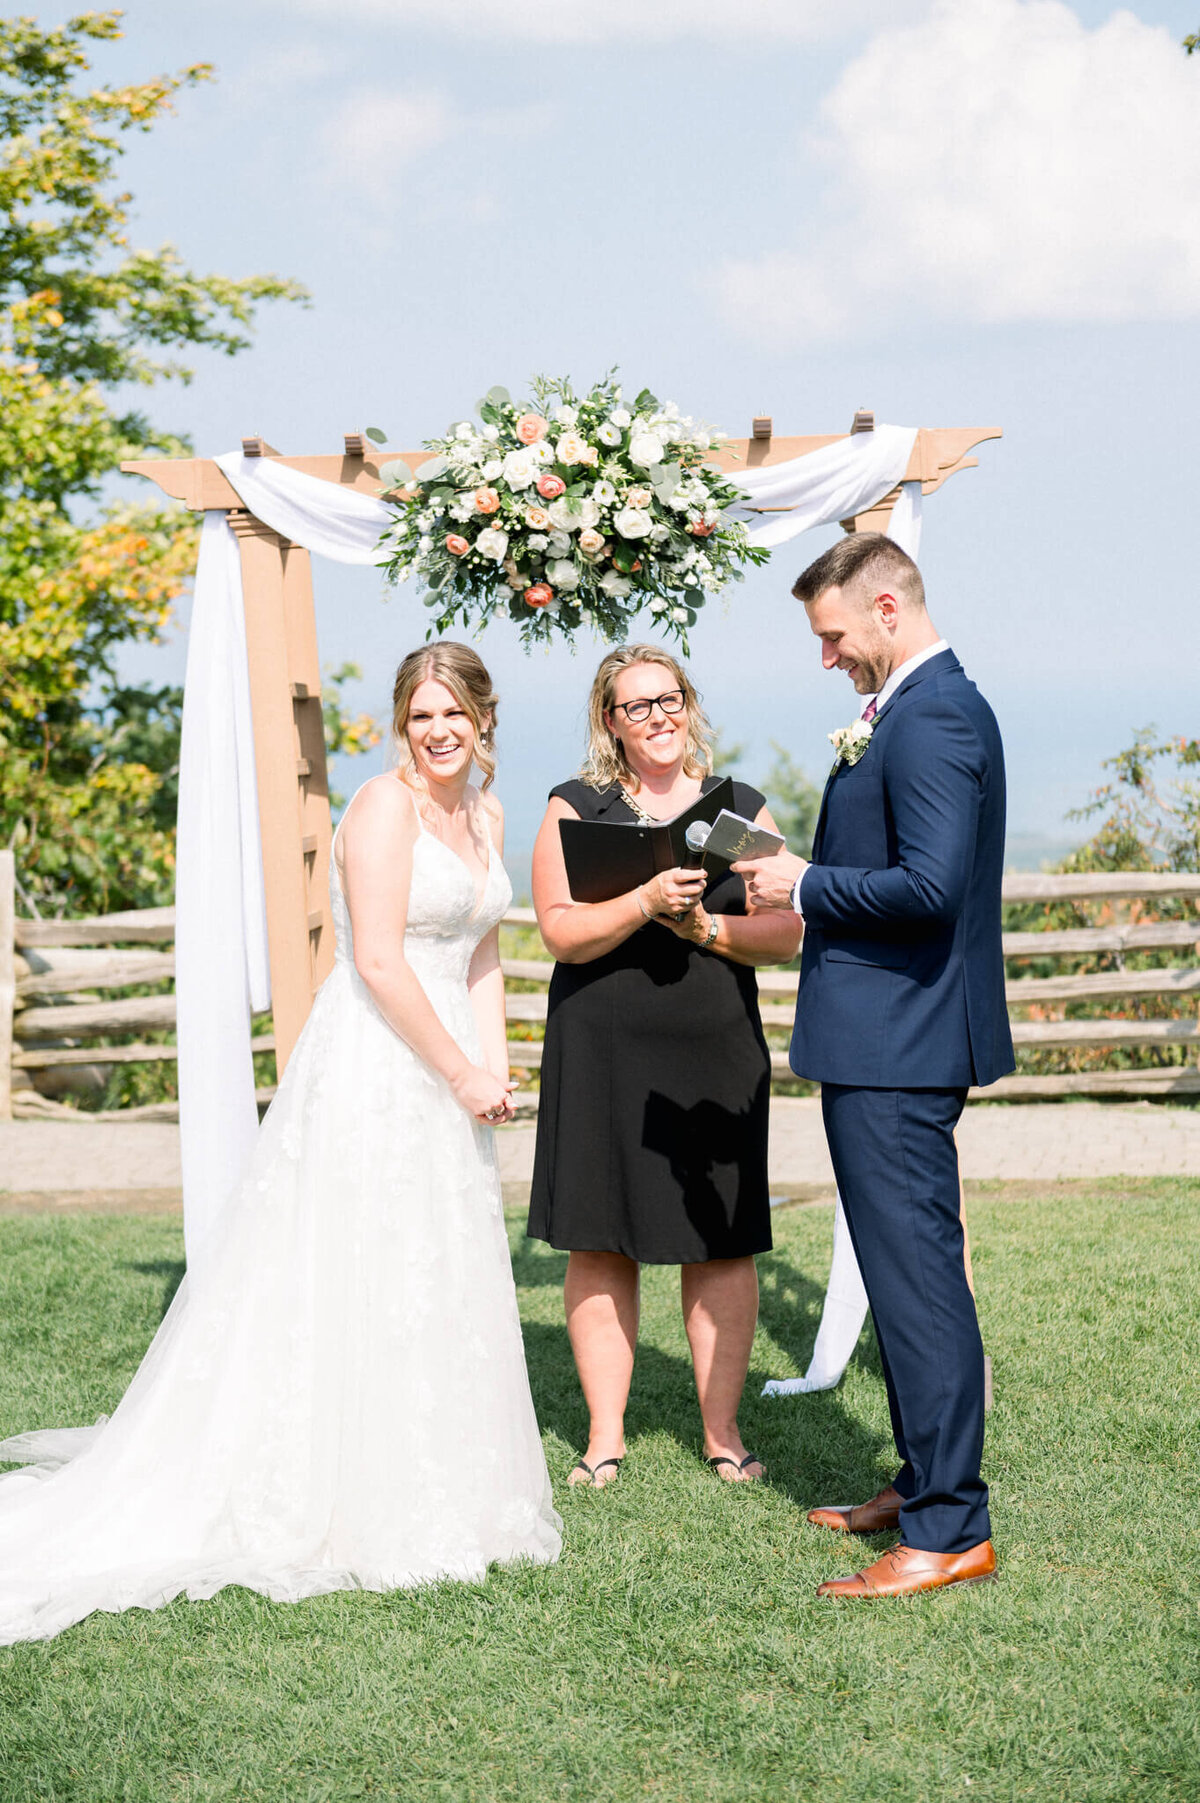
900 674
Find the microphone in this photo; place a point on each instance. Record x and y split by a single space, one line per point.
695 839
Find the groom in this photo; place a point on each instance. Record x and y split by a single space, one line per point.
901 1009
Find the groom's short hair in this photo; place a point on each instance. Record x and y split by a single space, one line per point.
868 558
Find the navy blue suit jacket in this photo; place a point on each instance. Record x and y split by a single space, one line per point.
902 980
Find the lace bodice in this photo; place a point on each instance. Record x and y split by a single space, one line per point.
447 917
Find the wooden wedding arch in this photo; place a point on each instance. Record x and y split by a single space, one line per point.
285 679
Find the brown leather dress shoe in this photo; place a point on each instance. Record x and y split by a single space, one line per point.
879 1516
907 1569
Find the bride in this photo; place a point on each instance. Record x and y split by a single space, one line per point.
338 1398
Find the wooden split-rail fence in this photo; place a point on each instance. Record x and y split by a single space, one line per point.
65 1022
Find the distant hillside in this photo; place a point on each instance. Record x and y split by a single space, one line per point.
1036 851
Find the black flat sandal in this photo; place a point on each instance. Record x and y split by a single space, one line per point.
582 1465
751 1458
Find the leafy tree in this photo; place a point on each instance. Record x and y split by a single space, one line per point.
1149 819
793 799
88 769
1150 808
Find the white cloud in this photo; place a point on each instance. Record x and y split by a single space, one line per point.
996 163
611 21
377 133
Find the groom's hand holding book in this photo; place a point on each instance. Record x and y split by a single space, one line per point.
771 881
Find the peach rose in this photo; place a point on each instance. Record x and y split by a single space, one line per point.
550 487
639 497
531 428
537 519
699 529
458 547
487 500
539 595
591 541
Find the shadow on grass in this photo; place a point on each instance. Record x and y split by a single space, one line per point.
806 1442
171 1269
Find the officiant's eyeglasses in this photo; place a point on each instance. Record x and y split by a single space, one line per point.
673 702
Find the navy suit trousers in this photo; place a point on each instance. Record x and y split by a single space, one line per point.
897 1170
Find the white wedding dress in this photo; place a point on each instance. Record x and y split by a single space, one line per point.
337 1398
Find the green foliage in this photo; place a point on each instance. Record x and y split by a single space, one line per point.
677 1651
88 769
793 799
1150 808
1149 820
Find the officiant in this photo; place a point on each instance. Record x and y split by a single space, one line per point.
655 1077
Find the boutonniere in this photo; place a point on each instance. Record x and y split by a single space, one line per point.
851 741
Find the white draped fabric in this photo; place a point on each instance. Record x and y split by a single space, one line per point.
221 967
828 485
845 1306
222 973
221 955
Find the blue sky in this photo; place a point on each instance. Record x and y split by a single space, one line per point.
974 212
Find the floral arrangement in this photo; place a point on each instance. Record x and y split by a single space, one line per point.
564 511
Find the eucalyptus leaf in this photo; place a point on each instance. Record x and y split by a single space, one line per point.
499 397
646 402
396 473
433 467
488 414
376 435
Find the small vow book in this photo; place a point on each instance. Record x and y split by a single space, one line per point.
608 857
733 837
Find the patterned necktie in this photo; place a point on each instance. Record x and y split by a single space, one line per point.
870 710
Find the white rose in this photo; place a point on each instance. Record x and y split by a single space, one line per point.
464 430
589 512
659 606
678 500
537 541
561 516
680 614
519 469
620 416
565 416
563 575
632 522
492 543
492 468
645 448
658 533
560 543
616 585
491 433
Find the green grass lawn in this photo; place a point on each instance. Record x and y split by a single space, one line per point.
678 1650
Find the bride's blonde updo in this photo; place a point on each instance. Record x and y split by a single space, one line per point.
605 761
464 673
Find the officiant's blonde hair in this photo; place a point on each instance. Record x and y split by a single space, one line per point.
464 673
605 761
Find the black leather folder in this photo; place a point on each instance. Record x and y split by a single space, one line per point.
606 858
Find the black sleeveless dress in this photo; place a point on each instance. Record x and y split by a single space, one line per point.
652 1123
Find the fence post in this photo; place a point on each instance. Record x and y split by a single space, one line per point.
8 977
